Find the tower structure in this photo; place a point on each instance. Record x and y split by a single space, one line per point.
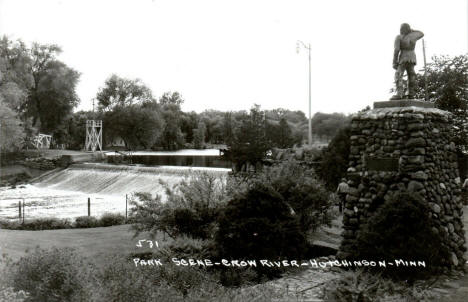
93 135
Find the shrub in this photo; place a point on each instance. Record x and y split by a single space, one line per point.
191 208
361 286
402 229
302 190
110 219
299 187
187 247
259 225
86 222
122 281
45 224
52 275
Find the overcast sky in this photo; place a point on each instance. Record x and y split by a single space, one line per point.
228 55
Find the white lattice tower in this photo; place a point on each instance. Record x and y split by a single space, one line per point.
93 135
42 141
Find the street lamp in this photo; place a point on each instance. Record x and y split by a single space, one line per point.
299 43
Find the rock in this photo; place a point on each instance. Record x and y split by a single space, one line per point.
416 142
415 186
454 259
420 175
435 207
451 228
416 126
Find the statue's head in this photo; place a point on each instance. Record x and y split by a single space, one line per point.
405 29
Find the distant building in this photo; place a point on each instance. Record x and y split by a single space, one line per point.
116 142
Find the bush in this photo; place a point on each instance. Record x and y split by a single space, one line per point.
366 287
299 187
52 275
259 225
122 281
402 229
191 208
110 219
39 224
302 190
86 222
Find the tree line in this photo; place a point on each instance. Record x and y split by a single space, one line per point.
38 95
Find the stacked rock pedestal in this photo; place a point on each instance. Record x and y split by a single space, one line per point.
404 148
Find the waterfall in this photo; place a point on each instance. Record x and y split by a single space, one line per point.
65 193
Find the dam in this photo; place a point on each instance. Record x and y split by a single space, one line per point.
64 193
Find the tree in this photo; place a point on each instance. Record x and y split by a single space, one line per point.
199 136
249 142
335 159
37 86
172 137
11 131
328 124
189 122
447 87
118 91
52 96
173 98
135 124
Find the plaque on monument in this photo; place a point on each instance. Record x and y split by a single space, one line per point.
386 164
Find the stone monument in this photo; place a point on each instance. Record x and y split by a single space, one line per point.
404 145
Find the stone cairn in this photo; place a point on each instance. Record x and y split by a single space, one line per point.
396 148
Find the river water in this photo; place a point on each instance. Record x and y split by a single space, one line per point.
65 194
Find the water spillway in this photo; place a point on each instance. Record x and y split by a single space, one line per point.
119 179
65 193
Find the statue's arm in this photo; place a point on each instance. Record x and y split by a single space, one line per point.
396 52
416 35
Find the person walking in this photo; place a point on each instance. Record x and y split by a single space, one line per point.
342 190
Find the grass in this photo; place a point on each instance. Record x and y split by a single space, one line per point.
93 243
96 244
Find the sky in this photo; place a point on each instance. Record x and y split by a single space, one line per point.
229 55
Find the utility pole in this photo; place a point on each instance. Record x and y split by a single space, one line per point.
425 71
308 47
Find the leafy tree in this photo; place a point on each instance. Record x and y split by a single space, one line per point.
228 129
328 124
249 142
118 91
11 131
172 137
280 135
335 159
189 122
76 125
447 87
199 135
136 125
171 98
16 78
213 120
53 95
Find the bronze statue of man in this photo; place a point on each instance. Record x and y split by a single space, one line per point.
404 59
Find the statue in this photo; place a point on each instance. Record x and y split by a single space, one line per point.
404 58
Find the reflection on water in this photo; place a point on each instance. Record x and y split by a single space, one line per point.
64 194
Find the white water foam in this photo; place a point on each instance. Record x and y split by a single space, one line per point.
64 194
